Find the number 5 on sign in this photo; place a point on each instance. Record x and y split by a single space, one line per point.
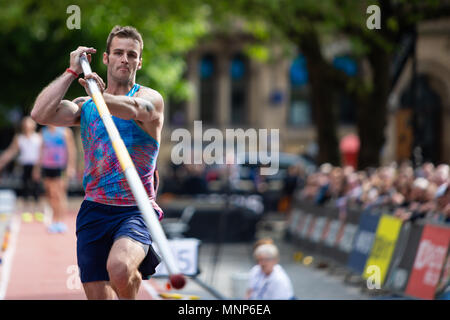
185 252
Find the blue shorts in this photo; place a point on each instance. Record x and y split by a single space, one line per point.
98 226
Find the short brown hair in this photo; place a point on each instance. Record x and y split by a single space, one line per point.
124 32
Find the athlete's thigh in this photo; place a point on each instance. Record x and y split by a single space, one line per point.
99 290
128 251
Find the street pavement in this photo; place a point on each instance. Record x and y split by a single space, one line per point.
235 260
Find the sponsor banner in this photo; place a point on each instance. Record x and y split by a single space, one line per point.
429 262
306 226
299 225
316 229
363 241
403 257
294 220
329 234
319 227
383 247
348 236
333 230
308 243
348 226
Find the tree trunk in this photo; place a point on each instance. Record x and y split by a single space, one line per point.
372 111
323 108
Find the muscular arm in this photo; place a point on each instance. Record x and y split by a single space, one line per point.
50 108
148 106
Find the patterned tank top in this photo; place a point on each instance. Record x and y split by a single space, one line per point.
54 152
103 180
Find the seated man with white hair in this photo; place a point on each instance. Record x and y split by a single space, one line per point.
268 280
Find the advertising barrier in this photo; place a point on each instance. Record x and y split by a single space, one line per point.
320 226
363 241
293 223
429 262
407 258
348 226
403 257
330 233
308 226
383 247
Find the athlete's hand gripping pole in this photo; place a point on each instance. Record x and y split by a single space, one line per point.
176 278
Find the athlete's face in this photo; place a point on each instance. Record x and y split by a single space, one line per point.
124 59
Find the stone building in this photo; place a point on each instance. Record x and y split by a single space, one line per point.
432 107
232 91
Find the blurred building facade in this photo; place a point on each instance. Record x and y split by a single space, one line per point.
425 118
233 91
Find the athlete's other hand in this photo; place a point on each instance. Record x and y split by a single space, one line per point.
75 58
97 78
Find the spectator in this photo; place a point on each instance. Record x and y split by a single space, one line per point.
323 193
410 194
27 144
290 184
443 202
268 280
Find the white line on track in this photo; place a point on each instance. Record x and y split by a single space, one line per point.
9 255
150 290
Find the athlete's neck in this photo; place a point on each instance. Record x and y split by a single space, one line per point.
119 89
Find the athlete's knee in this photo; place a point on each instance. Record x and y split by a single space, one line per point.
121 274
98 290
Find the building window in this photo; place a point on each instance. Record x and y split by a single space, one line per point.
239 82
426 123
347 107
208 72
177 105
299 109
177 112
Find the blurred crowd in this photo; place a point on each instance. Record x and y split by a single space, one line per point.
410 193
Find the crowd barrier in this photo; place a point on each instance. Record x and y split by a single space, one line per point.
409 259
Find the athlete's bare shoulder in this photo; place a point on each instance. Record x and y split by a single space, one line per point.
80 100
146 91
153 96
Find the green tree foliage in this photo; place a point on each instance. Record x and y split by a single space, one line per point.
36 42
311 26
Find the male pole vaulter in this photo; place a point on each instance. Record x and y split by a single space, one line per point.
114 247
